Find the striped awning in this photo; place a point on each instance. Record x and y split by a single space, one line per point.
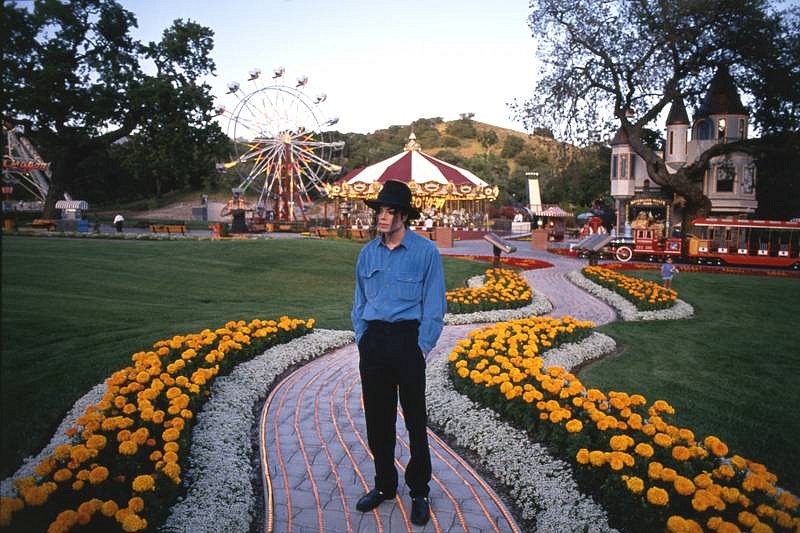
553 211
79 205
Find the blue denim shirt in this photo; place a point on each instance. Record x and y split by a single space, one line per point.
406 283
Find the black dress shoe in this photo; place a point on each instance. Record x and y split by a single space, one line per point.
420 511
372 499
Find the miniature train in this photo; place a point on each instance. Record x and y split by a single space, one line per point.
718 241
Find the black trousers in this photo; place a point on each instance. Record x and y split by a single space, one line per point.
391 366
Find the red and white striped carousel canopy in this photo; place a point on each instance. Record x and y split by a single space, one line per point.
424 174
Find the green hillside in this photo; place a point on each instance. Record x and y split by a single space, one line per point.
569 175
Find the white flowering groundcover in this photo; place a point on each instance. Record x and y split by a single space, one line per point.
625 309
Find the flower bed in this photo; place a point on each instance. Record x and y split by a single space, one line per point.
122 469
649 474
519 262
502 289
645 295
537 304
625 309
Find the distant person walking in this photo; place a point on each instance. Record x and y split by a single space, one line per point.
667 271
118 221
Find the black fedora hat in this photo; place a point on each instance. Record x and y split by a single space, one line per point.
395 194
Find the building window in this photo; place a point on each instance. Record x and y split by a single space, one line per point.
623 166
749 179
703 130
742 128
633 166
671 141
724 176
721 125
614 159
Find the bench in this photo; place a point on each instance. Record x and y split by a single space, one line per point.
359 234
168 228
327 232
44 223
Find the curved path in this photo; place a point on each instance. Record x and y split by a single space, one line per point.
314 445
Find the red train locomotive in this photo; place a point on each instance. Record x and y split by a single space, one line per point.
719 241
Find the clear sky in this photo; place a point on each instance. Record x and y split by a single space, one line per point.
380 62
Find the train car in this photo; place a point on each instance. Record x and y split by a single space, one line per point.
720 241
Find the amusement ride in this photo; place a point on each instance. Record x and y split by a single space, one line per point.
282 150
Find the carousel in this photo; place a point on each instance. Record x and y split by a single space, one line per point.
445 194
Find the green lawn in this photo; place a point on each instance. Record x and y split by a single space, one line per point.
732 371
74 310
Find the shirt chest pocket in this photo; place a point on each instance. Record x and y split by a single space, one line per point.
408 286
371 281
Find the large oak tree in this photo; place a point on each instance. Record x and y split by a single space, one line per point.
601 59
73 77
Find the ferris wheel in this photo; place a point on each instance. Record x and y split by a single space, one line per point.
281 149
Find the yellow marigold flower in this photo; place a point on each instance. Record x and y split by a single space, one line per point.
128 448
747 519
109 508
678 524
62 475
133 522
143 483
654 470
644 450
728 527
582 456
681 453
98 474
597 458
44 468
657 496
136 504
170 457
170 434
34 496
716 446
96 442
635 484
668 474
171 447
9 506
703 480
663 440
683 486
172 470
788 501
621 442
574 425
62 451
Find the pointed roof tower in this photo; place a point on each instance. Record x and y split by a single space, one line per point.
722 97
620 137
677 113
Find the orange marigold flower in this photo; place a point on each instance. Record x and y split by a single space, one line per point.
635 484
657 496
678 524
582 456
681 453
683 486
143 483
98 474
62 474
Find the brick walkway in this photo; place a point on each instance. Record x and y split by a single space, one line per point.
318 462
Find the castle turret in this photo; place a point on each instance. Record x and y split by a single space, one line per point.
677 148
721 116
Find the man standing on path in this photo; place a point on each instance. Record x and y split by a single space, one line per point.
398 313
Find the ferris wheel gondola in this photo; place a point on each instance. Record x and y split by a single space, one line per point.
282 150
